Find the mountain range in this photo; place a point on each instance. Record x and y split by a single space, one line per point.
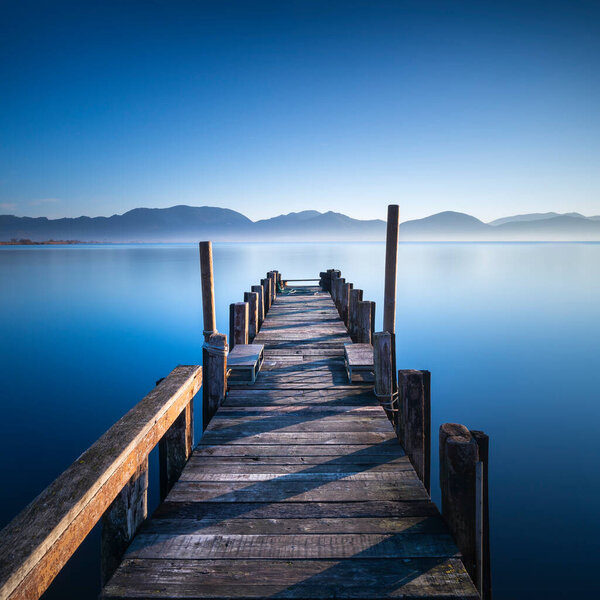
192 223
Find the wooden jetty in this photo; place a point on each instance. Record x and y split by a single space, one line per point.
299 487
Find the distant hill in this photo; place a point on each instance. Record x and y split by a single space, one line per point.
192 223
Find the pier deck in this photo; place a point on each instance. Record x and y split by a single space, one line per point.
298 488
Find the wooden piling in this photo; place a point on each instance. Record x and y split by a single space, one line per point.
459 455
252 299
391 267
261 304
339 290
364 332
344 302
272 276
484 572
266 283
208 307
356 296
382 364
238 324
413 425
216 376
121 521
174 449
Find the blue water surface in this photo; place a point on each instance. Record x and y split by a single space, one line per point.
510 332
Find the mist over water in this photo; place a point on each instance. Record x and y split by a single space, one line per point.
510 332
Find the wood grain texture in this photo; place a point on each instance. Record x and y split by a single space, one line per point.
299 487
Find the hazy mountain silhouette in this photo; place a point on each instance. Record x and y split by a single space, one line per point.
192 223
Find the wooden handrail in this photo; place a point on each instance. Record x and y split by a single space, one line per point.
37 543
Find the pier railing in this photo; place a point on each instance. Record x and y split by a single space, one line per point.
107 482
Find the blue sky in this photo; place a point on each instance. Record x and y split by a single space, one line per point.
490 108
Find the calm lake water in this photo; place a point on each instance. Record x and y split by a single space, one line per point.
510 332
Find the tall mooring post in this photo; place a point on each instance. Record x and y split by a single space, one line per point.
214 348
391 272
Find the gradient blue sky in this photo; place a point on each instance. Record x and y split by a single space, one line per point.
490 108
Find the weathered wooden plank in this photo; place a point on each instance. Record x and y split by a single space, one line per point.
223 511
294 546
239 526
283 490
285 439
354 450
356 579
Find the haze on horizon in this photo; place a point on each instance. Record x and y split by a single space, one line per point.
270 107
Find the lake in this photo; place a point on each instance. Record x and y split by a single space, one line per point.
510 333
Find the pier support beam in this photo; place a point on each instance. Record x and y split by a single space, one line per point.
356 296
413 426
216 376
260 305
366 320
121 521
459 454
345 302
238 324
383 371
174 449
252 299
266 283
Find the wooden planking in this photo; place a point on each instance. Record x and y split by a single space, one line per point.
439 578
298 489
317 546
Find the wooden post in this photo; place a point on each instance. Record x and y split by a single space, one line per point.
238 323
121 521
208 308
356 296
391 267
340 282
364 332
382 363
483 518
174 449
216 376
273 277
345 301
459 454
252 299
261 304
413 426
266 283
335 275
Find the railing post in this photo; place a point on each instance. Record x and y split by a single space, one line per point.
413 426
266 283
344 302
121 521
459 455
382 364
238 324
252 299
174 449
364 333
356 296
272 275
216 376
340 281
261 305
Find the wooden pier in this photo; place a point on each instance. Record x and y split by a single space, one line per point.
298 488
311 479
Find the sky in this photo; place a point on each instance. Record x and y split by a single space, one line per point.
489 108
